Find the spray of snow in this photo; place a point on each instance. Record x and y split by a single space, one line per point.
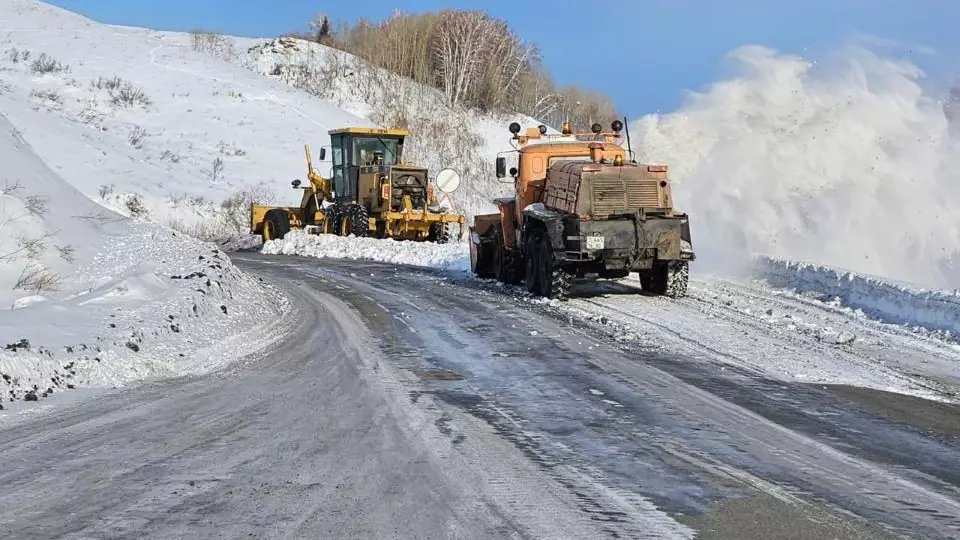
451 256
847 163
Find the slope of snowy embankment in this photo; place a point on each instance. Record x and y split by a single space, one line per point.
452 256
91 298
936 311
140 121
441 136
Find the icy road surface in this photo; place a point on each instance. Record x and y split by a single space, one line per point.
407 403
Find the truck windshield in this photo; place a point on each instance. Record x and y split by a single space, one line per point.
558 159
365 148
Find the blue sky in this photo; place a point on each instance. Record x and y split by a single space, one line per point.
663 47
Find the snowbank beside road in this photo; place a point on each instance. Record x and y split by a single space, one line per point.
92 298
937 311
452 256
151 304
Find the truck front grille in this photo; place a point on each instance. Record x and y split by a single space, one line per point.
614 195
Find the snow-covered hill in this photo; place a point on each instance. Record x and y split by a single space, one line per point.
187 131
89 297
139 119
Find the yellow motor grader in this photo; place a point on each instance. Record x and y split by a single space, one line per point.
372 192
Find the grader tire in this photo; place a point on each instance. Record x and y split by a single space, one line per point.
356 221
276 224
331 219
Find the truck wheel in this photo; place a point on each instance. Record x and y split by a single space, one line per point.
677 277
276 224
439 233
532 261
667 279
553 280
356 221
505 262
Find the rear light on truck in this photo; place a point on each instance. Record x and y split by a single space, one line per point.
385 190
656 168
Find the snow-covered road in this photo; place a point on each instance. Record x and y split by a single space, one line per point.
415 402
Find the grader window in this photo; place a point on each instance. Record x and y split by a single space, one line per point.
367 150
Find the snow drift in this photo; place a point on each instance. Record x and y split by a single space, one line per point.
89 297
889 302
453 256
846 162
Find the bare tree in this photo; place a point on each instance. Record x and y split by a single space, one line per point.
475 59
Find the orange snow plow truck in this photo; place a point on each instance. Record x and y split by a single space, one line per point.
581 210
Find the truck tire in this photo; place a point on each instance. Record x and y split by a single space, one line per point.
532 261
678 276
667 279
356 220
553 280
276 224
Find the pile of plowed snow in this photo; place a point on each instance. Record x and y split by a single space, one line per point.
881 299
452 256
89 297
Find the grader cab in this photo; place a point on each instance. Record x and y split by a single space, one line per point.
371 192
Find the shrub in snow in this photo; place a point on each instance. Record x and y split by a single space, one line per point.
17 56
127 95
45 64
230 150
216 169
172 157
136 137
135 206
212 43
47 96
37 279
235 210
107 84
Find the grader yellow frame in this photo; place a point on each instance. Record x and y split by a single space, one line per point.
371 193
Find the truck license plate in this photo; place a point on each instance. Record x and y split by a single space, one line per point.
594 242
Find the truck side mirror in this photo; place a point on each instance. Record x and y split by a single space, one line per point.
513 172
501 167
323 153
295 183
